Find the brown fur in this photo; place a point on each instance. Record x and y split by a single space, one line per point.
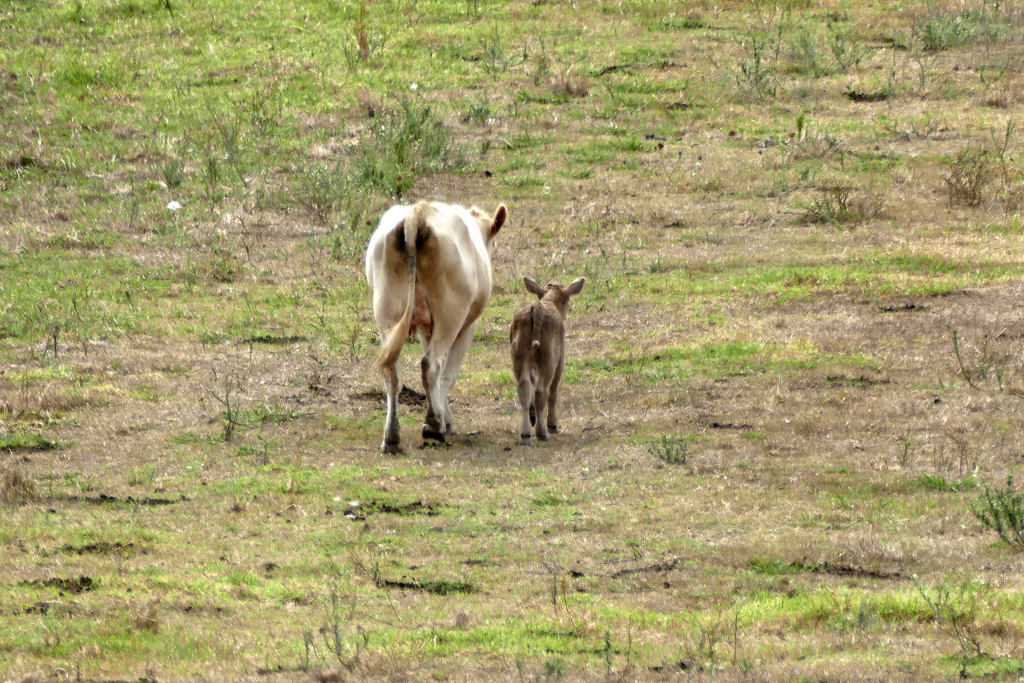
538 355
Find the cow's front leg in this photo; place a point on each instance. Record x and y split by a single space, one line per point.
430 370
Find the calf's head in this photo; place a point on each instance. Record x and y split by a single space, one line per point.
555 294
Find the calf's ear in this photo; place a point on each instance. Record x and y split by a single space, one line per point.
576 287
533 287
499 219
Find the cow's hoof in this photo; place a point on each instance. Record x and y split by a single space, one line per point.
553 429
542 437
431 433
391 448
525 440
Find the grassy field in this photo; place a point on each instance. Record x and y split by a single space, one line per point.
795 376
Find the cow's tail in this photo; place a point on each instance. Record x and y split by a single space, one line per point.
411 228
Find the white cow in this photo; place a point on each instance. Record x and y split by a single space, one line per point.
429 269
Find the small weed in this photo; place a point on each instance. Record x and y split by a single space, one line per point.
172 171
670 449
548 499
940 483
806 55
226 390
337 635
480 111
581 172
845 48
943 31
572 85
905 453
955 605
990 365
28 441
143 476
1002 510
405 143
756 75
658 265
705 636
146 616
770 567
522 180
968 177
840 207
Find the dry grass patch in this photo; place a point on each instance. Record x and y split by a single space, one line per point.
145 616
16 488
571 84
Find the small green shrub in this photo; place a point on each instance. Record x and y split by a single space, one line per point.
968 176
807 58
955 604
940 483
481 112
944 32
404 143
173 172
839 206
28 441
1003 512
833 206
756 73
670 449
846 49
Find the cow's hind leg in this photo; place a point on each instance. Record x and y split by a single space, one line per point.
450 373
392 432
430 370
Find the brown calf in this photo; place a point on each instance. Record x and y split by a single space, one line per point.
538 354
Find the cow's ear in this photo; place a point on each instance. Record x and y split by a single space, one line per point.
499 219
533 288
576 287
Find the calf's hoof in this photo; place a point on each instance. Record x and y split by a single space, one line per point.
525 440
431 433
388 448
553 429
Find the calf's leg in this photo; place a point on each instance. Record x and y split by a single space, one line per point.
525 388
540 402
553 395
